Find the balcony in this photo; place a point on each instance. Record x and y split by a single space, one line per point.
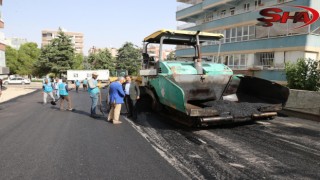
240 15
298 42
187 3
207 4
189 11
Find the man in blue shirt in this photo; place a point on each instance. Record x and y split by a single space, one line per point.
94 92
116 95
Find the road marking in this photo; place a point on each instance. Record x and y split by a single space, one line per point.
237 165
313 151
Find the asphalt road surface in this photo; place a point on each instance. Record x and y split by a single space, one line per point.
40 142
282 148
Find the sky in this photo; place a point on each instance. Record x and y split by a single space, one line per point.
104 23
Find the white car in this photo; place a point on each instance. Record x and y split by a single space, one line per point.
17 80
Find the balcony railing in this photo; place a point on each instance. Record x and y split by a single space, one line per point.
188 4
214 16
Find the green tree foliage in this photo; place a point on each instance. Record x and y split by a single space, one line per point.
28 54
102 60
22 61
171 55
129 58
58 56
303 75
12 60
78 62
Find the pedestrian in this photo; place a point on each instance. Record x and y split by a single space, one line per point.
56 87
85 84
94 92
64 95
116 95
77 85
47 90
132 92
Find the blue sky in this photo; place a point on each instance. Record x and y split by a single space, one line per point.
104 23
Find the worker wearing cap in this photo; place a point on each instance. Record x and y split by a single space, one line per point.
94 92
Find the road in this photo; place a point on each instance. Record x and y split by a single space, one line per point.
40 142
282 148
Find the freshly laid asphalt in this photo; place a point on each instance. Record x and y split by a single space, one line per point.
41 142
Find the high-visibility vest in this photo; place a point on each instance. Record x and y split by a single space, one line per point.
47 87
95 90
62 89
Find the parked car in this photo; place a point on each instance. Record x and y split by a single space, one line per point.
17 80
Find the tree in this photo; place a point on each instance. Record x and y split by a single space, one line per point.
22 61
129 58
43 66
58 56
102 60
28 54
171 55
78 62
12 59
303 75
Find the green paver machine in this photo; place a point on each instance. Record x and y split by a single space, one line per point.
202 93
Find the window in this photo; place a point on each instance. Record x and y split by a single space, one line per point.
232 10
265 59
228 35
233 35
243 61
230 61
239 34
252 32
257 3
226 60
223 13
246 7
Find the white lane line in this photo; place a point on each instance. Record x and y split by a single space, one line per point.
313 151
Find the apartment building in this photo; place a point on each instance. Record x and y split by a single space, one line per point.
113 51
154 51
76 38
15 42
247 46
4 71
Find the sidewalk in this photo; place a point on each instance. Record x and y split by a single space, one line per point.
14 91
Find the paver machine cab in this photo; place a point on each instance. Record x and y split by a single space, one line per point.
204 93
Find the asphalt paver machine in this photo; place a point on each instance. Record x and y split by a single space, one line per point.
202 93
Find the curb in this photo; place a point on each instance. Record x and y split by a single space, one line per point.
307 116
15 98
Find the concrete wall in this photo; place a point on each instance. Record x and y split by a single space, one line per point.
304 101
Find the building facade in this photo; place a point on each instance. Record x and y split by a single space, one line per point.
247 46
154 51
76 38
15 42
113 51
4 71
